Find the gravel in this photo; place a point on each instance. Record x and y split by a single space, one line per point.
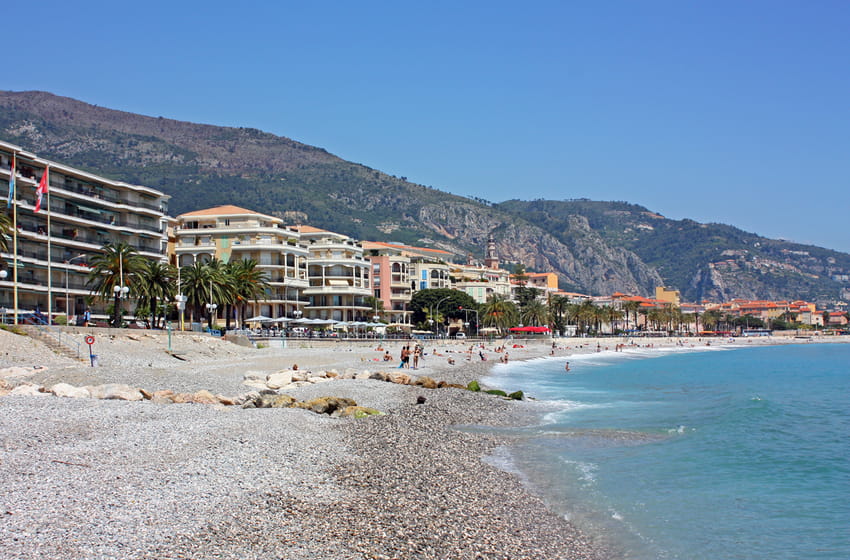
137 480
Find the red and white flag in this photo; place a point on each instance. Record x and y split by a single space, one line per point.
42 188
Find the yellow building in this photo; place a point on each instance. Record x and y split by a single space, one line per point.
667 295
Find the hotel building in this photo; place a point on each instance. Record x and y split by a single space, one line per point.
86 212
338 275
230 232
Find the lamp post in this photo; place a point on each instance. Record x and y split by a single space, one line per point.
211 307
67 295
438 310
120 293
3 275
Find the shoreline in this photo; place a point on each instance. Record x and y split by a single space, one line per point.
100 479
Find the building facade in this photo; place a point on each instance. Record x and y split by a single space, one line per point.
85 212
230 233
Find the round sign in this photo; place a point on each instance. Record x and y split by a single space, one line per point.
89 340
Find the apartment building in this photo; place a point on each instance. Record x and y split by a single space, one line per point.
86 212
232 233
339 276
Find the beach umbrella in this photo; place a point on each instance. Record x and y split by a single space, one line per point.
260 319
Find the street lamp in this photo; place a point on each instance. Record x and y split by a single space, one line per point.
3 275
120 293
211 307
438 310
180 299
67 296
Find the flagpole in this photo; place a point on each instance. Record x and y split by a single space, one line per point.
14 202
49 252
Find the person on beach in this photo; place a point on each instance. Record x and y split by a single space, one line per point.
417 352
567 367
387 356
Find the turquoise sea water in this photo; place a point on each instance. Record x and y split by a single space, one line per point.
693 453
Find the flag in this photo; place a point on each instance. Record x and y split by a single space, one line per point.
11 183
42 188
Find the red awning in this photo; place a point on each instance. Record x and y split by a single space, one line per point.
530 329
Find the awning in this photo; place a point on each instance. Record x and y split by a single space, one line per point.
530 329
90 209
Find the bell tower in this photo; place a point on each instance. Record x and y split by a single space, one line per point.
490 258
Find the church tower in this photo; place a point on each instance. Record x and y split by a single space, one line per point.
490 258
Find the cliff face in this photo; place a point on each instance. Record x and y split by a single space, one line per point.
594 247
587 263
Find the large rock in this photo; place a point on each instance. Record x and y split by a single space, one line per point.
357 412
204 397
327 405
28 389
279 379
426 382
115 391
66 390
398 377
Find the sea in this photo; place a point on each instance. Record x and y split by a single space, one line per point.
706 452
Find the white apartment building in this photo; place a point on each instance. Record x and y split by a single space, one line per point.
338 274
86 212
230 232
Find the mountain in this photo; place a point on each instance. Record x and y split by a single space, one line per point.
595 247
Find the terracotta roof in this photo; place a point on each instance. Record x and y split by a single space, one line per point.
376 244
226 210
309 229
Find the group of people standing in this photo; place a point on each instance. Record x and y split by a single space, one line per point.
406 353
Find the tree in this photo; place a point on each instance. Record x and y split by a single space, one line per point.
155 284
5 231
710 319
632 307
202 284
440 304
245 283
535 313
118 263
585 315
499 312
558 308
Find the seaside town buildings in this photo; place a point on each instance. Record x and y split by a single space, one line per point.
311 273
85 213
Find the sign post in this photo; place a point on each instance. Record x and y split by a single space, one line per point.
92 357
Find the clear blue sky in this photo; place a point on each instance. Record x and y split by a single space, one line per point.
724 111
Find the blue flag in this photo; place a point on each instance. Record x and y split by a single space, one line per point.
11 183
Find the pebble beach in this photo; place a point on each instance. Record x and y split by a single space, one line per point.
96 478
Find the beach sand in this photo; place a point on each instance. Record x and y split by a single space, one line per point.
88 478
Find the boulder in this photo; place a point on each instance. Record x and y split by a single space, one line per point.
357 412
27 389
331 373
279 379
426 382
66 390
473 386
283 401
497 392
516 395
398 377
327 405
116 391
226 401
204 397
378 376
253 376
362 375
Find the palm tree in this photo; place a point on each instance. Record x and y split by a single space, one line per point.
118 263
558 308
586 315
710 319
535 313
156 284
5 231
198 280
247 282
632 307
499 312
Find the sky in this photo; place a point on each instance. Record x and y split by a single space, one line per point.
722 111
